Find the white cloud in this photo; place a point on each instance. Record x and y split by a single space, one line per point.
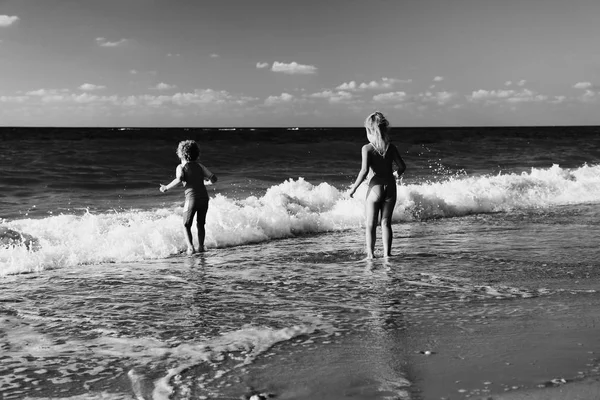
214 55
441 98
173 54
260 65
588 96
384 83
508 96
46 92
438 79
293 68
283 98
347 86
13 99
522 82
91 86
102 42
133 71
333 97
163 86
390 97
583 85
7 20
211 101
507 83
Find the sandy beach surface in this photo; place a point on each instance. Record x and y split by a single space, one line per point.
550 351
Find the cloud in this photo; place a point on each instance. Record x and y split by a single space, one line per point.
261 65
507 83
333 97
197 97
522 82
90 87
173 54
13 99
508 96
390 97
293 68
133 71
102 42
214 55
583 85
384 83
347 86
163 86
283 98
558 99
7 20
438 79
46 92
441 98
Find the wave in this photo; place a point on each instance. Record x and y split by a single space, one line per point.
294 207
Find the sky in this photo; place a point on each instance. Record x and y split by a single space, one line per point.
305 63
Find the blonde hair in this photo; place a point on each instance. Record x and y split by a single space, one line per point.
377 131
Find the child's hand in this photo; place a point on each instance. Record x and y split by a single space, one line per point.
163 188
351 192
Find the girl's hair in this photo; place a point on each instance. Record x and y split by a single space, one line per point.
377 128
188 150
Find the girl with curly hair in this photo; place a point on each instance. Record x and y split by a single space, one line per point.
192 174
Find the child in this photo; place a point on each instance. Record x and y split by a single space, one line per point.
191 174
378 158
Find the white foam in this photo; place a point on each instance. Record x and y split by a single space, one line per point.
291 208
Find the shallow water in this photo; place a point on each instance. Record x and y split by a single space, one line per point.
299 318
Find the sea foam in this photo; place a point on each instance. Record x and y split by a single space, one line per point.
294 207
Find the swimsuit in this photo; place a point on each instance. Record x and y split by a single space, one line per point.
382 184
196 196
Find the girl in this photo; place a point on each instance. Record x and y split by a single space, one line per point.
192 174
378 158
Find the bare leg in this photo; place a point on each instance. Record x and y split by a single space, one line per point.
188 239
386 226
201 235
200 221
372 211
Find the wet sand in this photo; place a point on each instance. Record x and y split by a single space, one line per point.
544 348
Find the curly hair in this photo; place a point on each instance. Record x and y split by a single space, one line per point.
377 128
188 150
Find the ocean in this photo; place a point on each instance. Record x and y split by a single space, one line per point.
493 288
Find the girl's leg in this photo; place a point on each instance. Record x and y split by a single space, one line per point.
200 222
386 221
372 215
188 219
188 239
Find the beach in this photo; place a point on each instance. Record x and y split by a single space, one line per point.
492 292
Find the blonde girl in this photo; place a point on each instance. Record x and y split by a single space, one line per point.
378 159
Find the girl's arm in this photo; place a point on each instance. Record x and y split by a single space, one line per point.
174 182
399 161
208 176
364 170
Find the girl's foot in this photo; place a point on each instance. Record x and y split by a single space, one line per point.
201 249
190 251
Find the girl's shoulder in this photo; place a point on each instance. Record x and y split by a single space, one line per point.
368 147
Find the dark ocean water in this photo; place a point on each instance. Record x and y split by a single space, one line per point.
498 223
